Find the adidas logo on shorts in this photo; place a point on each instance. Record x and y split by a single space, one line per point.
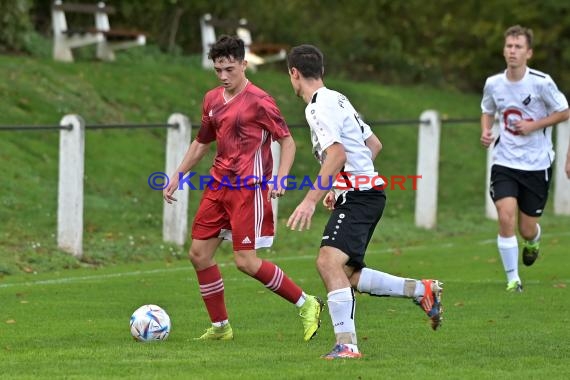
246 240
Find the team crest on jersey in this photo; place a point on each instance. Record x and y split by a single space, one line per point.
526 100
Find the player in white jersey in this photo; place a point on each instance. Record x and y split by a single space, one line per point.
528 104
346 147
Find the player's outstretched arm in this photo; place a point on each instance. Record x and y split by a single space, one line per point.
335 159
194 154
288 149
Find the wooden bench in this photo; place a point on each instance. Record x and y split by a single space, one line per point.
107 40
255 53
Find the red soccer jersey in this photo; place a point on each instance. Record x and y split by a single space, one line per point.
243 129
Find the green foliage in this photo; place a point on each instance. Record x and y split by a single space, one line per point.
406 42
15 24
450 44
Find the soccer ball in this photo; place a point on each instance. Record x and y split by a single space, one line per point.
150 323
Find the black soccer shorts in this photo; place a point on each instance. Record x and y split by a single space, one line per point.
352 223
530 188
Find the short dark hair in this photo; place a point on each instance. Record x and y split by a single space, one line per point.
517 30
308 59
226 47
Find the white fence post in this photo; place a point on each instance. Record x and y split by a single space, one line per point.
70 188
208 38
276 153
561 182
427 168
490 209
175 215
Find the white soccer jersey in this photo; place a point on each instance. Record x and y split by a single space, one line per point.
534 97
333 119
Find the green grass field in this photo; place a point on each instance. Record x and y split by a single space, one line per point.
66 318
74 324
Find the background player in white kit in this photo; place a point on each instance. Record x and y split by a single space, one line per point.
529 104
344 144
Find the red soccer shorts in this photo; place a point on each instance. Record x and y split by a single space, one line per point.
243 216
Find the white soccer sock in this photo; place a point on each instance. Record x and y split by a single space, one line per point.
220 324
379 283
342 306
301 301
420 289
509 250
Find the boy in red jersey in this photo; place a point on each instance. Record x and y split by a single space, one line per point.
243 120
